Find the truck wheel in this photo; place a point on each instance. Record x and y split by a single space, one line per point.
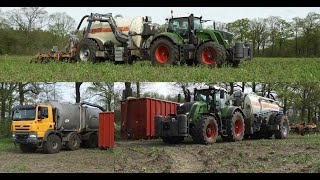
211 54
86 51
73 143
205 130
163 51
235 128
28 148
52 145
92 142
283 131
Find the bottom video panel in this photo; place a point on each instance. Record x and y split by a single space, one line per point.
158 126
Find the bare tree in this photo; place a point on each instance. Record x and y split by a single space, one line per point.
105 93
28 18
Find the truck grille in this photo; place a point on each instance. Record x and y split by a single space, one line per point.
22 136
22 128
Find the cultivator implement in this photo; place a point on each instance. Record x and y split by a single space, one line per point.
55 57
68 55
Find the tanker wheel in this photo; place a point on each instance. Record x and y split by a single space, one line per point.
163 51
235 128
73 143
172 140
86 51
28 148
92 142
205 130
283 131
52 145
211 54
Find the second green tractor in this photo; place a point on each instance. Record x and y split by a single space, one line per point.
187 42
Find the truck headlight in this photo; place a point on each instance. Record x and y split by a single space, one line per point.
34 135
13 135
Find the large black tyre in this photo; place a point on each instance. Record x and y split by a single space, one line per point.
86 51
205 130
163 51
172 140
234 127
283 131
92 142
28 148
52 145
73 143
211 54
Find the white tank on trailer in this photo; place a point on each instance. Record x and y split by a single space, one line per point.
255 104
103 31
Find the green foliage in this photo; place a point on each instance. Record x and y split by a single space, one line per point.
17 68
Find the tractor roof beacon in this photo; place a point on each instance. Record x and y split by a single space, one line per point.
186 41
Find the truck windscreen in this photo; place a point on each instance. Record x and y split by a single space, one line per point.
24 114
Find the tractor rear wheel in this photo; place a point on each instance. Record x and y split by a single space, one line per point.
235 128
163 51
205 130
211 54
73 143
86 51
52 145
283 131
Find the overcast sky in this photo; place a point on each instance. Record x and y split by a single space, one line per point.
158 14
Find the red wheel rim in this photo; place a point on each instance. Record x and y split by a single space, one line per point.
209 56
162 54
238 127
210 131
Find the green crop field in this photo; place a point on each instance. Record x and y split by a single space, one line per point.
17 68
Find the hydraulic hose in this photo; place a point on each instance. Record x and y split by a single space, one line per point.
77 30
93 105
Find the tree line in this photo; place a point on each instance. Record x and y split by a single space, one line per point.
28 30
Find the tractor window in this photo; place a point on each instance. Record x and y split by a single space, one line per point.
197 23
179 25
203 96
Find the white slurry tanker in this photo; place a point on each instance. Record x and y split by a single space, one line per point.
263 116
119 39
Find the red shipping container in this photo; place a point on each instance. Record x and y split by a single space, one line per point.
106 130
137 116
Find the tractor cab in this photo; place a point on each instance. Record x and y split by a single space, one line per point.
215 98
184 25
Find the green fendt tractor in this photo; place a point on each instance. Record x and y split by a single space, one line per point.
204 119
213 112
186 41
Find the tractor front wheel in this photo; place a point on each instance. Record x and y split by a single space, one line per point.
163 51
235 128
211 54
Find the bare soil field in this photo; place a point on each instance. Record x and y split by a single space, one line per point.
295 154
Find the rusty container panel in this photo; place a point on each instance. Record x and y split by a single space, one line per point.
106 130
137 116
